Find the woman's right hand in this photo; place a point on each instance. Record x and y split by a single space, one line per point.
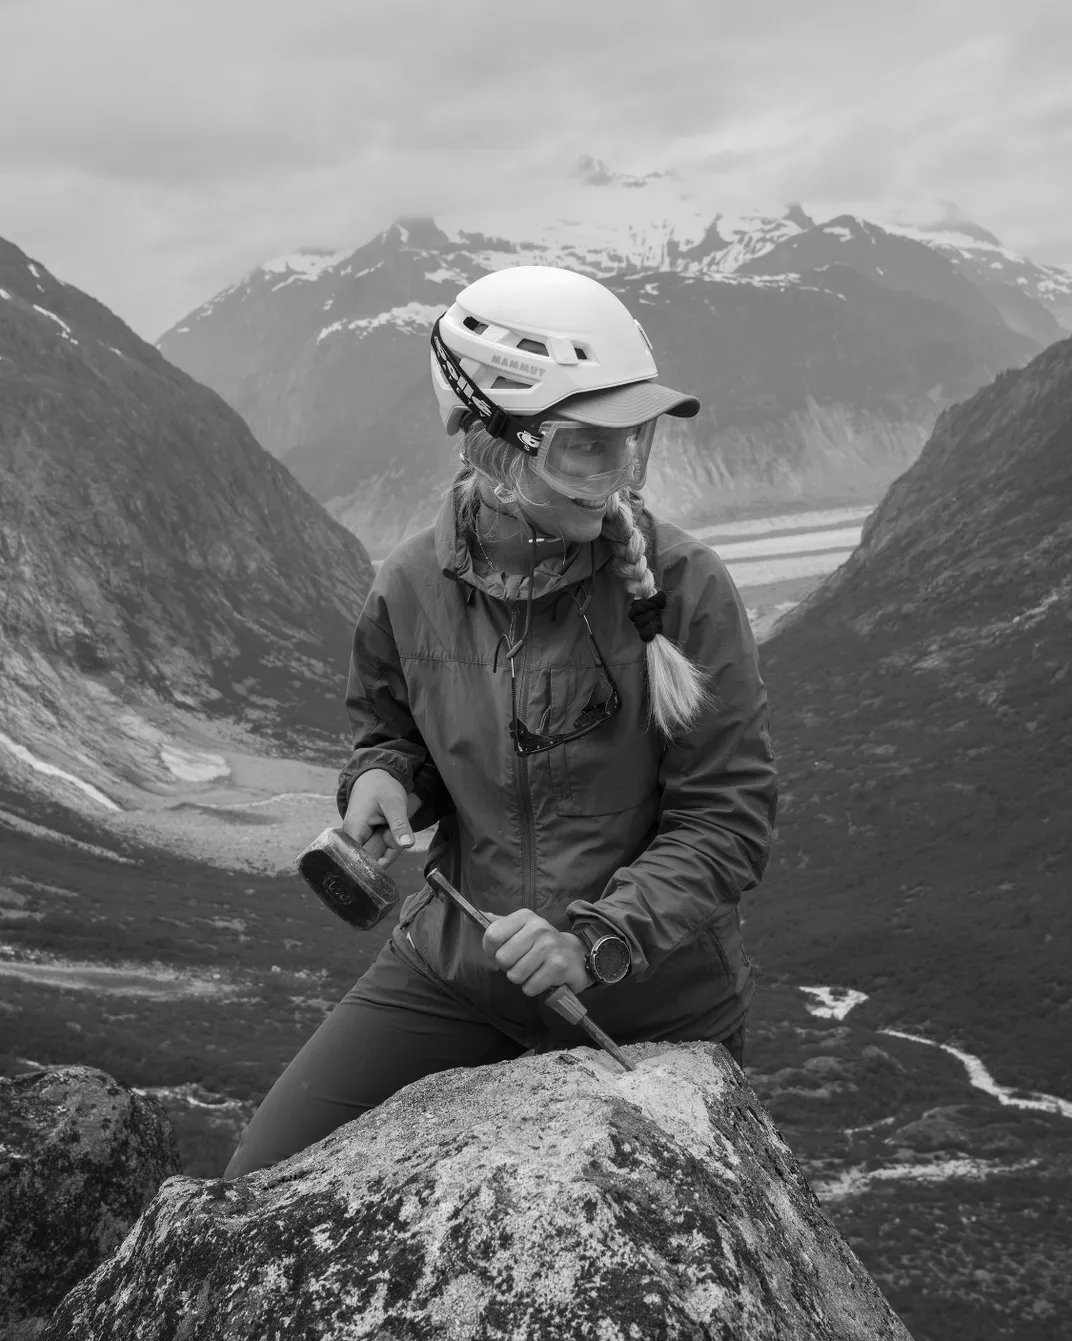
378 815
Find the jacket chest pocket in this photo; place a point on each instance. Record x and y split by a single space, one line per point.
613 767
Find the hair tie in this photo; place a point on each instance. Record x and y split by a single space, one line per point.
646 614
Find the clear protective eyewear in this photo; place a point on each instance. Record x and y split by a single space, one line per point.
582 461
578 460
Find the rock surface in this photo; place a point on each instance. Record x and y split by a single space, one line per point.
80 1158
553 1196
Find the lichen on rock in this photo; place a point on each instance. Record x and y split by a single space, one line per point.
81 1156
552 1196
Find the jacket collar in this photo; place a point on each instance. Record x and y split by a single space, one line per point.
455 562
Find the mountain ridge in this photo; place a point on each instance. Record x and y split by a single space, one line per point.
329 363
152 551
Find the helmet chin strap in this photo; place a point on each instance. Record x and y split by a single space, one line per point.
520 515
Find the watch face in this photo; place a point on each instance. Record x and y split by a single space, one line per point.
610 959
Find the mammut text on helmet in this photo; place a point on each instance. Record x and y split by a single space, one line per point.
529 369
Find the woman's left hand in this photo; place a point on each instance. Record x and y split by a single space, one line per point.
535 954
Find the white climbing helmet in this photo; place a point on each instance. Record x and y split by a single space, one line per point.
535 336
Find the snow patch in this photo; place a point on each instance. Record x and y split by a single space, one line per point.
193 765
303 265
412 318
33 269
217 298
981 1079
40 766
114 979
66 331
833 1003
38 831
610 228
851 1182
446 275
1059 598
4 294
837 231
193 1095
359 274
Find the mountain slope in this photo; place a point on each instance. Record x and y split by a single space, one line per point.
894 261
148 543
821 376
922 710
1031 298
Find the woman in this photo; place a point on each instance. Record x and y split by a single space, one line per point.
569 688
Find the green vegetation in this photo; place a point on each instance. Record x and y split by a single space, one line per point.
283 961
960 1259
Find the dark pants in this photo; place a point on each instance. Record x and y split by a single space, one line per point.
393 1027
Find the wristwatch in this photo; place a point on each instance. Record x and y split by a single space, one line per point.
606 955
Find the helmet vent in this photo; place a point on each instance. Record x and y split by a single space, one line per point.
533 347
579 352
507 382
478 326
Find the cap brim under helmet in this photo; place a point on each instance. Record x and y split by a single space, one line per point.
624 406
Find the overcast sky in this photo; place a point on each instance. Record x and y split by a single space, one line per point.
152 151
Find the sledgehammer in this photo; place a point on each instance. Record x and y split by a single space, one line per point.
362 893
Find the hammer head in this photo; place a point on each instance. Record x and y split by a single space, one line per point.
348 881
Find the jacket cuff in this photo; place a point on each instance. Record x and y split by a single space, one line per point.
435 800
386 760
596 927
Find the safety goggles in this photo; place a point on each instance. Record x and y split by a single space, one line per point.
528 742
582 461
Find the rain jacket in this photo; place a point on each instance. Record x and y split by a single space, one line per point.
618 830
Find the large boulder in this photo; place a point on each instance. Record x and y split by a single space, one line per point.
81 1157
552 1196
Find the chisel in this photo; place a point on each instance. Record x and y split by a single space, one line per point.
560 999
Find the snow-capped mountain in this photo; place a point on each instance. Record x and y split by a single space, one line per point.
822 351
1015 284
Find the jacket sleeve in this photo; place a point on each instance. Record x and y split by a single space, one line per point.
718 784
384 732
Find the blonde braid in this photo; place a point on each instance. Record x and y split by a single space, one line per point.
630 561
677 690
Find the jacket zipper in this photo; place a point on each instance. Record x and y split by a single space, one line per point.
521 773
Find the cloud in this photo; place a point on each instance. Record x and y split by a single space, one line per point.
188 141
